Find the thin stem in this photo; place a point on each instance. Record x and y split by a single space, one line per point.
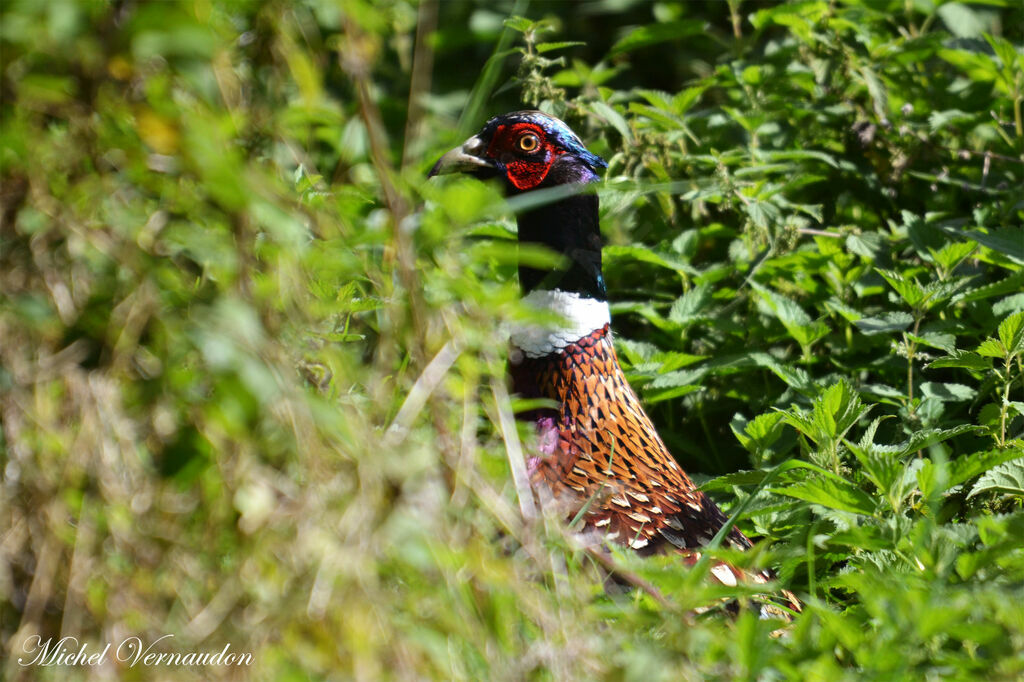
811 578
911 351
513 449
1003 409
419 82
599 555
734 15
1017 118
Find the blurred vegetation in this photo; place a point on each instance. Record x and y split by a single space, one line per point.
251 361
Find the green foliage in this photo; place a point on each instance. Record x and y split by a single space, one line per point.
251 372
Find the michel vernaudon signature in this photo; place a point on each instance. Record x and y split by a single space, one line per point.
131 651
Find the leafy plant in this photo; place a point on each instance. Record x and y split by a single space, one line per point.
252 383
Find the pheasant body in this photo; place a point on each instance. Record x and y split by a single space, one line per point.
599 455
601 445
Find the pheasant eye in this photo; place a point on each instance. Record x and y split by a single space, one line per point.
529 142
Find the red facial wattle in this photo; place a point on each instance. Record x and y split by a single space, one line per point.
524 170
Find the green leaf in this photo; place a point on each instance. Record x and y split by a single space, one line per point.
759 433
946 342
880 464
992 348
1011 333
952 254
1007 242
687 308
614 118
521 24
1006 478
740 478
838 409
830 493
889 322
961 20
548 47
925 438
653 34
1010 304
644 255
834 412
947 392
963 469
1008 285
795 377
686 377
908 289
654 396
964 359
796 321
876 88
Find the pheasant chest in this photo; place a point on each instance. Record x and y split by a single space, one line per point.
598 448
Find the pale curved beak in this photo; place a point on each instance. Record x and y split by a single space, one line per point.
466 158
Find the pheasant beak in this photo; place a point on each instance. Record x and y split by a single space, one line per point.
463 159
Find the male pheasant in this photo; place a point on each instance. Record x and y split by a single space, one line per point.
599 450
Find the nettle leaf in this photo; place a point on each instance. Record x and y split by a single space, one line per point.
654 396
737 478
947 392
685 99
922 297
1010 304
834 305
636 352
614 118
926 438
838 409
1007 243
961 20
933 478
675 384
687 308
885 393
795 377
831 493
686 243
937 120
657 98
759 433
1011 333
521 24
686 377
548 47
964 359
946 342
653 34
643 254
834 412
796 321
870 245
1005 478
952 254
992 348
889 322
940 291
646 357
1008 285
881 466
963 469
876 89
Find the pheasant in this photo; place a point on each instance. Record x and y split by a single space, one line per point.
599 453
